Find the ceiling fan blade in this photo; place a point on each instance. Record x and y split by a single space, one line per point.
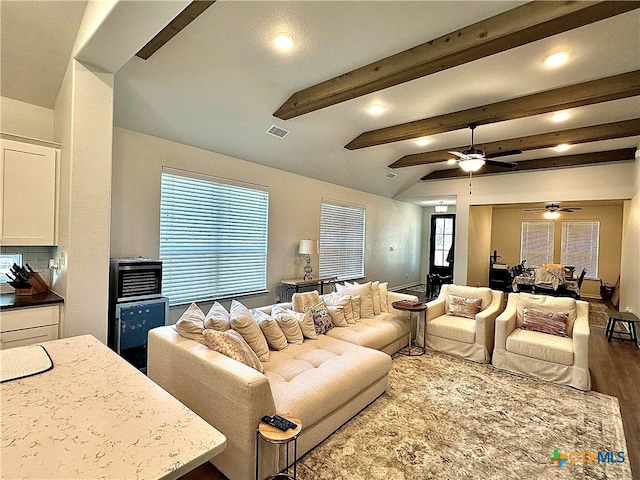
504 154
497 163
569 209
535 210
458 154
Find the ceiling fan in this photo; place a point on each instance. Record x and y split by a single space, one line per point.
473 159
551 211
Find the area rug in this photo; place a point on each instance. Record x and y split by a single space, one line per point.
422 288
447 418
598 315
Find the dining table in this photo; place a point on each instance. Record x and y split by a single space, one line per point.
526 282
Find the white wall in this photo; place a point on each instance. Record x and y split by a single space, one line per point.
25 119
630 271
597 182
294 211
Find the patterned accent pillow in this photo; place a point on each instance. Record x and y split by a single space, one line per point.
217 318
305 299
321 318
231 344
191 323
305 320
271 330
553 323
464 307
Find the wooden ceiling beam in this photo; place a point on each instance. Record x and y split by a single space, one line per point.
594 133
565 161
587 93
184 18
513 28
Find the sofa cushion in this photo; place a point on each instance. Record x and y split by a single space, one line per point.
243 322
483 293
541 346
338 317
305 320
191 323
375 332
232 344
453 328
305 299
316 378
375 290
271 330
339 300
547 304
552 323
366 297
384 297
463 307
218 318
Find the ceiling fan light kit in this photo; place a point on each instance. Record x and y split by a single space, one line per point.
471 164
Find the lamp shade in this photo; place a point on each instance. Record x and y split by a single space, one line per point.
308 247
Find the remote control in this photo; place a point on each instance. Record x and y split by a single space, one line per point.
275 423
286 421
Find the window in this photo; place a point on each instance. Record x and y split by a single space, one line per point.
213 238
341 241
6 262
580 246
536 243
442 238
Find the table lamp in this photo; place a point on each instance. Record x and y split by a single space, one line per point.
308 247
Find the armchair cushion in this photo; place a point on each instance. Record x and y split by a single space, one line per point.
464 307
541 346
553 323
453 328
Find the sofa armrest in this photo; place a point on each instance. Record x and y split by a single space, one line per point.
581 334
505 324
227 394
396 297
485 321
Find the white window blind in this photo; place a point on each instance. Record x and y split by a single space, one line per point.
342 231
579 245
536 243
213 238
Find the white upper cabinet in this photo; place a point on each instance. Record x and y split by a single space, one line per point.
28 178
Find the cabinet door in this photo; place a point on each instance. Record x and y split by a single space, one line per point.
28 182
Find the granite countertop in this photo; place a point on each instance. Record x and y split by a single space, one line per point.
95 416
10 301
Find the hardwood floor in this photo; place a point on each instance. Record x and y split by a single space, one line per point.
615 371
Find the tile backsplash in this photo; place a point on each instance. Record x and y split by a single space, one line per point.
36 257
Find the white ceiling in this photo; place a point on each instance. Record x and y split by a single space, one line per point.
216 84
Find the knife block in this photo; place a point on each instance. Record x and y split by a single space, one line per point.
38 285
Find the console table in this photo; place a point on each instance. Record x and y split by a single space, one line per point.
296 283
93 415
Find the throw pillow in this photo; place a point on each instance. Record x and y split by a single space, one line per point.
339 300
464 307
217 318
305 299
384 296
553 323
191 323
355 306
305 320
375 290
337 315
231 344
243 322
288 324
271 330
321 318
366 297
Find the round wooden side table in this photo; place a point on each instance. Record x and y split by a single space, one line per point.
413 307
278 437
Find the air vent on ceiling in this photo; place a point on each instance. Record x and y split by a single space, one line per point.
277 131
391 175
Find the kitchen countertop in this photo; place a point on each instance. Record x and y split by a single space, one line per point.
10 301
95 416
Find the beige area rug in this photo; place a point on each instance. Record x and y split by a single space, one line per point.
598 315
447 418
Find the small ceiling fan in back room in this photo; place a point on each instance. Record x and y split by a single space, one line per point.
552 210
472 159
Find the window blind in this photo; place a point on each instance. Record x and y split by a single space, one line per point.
536 243
580 244
342 230
213 238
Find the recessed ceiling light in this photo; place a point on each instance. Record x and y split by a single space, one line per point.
560 117
422 141
563 147
376 109
283 41
557 59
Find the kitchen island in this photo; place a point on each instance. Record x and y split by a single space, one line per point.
93 415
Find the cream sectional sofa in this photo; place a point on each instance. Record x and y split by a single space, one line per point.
323 382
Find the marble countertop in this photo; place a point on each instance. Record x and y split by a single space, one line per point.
96 416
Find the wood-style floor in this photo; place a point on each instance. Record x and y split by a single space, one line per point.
615 371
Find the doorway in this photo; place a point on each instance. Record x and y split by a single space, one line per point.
443 236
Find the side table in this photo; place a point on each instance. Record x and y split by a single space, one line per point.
275 436
411 307
624 317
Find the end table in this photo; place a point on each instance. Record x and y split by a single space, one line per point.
411 307
275 436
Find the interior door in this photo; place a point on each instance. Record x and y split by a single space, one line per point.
443 235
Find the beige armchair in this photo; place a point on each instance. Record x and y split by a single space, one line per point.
471 338
549 357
